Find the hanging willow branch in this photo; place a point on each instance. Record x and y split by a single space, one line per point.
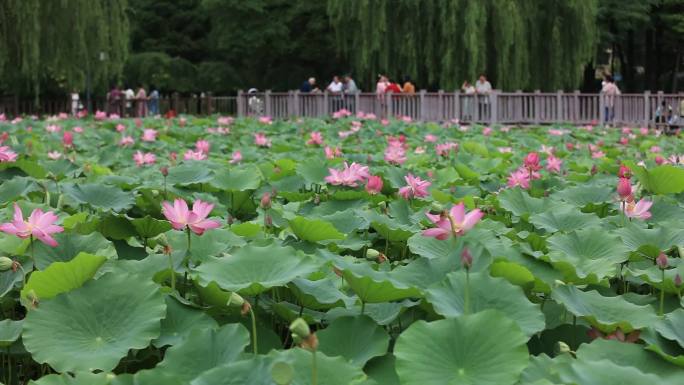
63 41
520 44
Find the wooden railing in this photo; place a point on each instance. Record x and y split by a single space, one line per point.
207 105
495 108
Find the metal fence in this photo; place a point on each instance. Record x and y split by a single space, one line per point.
494 108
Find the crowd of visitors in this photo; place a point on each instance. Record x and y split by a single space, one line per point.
127 102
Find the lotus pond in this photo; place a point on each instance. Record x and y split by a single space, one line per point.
352 250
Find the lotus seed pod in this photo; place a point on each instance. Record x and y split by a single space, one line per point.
5 263
300 329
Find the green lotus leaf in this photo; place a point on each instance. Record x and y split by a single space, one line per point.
314 230
331 370
61 277
238 179
514 273
16 187
250 371
382 370
605 313
81 378
204 349
94 326
672 326
665 179
313 172
69 246
255 269
375 286
632 355
318 295
583 195
8 279
448 299
9 332
667 349
179 322
564 218
590 254
391 229
210 244
149 227
189 173
358 339
100 196
661 238
463 350
521 204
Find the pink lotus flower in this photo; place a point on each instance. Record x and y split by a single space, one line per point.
624 189
624 141
341 114
7 155
68 139
265 120
126 141
519 177
505 150
406 119
531 161
332 152
597 154
429 138
182 122
415 187
53 128
464 128
144 159
17 120
548 150
261 140
236 157
3 137
39 225
553 164
374 185
54 155
316 139
194 155
643 131
224 120
419 150
456 222
82 114
202 146
385 122
626 130
181 217
395 155
350 176
555 132
138 122
149 135
114 117
370 116
655 149
638 210
120 128
487 131
361 115
569 146
100 115
445 148
624 172
78 129
660 160
3 118
505 129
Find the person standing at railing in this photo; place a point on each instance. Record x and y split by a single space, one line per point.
309 85
114 100
141 102
468 106
335 88
75 102
609 91
129 94
408 87
483 88
153 101
349 89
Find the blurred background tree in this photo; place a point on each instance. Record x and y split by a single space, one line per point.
49 47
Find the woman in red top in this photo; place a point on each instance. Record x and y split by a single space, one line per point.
393 87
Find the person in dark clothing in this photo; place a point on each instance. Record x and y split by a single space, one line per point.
308 86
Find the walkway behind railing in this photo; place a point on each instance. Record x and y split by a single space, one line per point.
495 108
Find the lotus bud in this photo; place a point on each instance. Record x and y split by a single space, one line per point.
466 258
594 170
268 221
678 280
382 205
659 160
235 299
372 253
661 261
266 201
624 188
5 263
300 330
164 171
563 348
230 220
436 207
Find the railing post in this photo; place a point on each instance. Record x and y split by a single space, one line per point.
297 112
210 107
602 109
559 106
240 104
647 108
660 101
440 106
457 105
493 107
537 106
267 103
357 100
422 105
577 109
388 103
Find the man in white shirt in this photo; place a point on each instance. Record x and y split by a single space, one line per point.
130 95
335 87
483 88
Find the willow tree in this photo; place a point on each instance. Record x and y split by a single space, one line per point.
521 44
67 41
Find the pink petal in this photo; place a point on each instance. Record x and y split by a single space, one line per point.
437 232
472 218
458 213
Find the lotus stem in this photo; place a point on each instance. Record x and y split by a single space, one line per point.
466 294
363 307
173 273
254 331
662 293
314 369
